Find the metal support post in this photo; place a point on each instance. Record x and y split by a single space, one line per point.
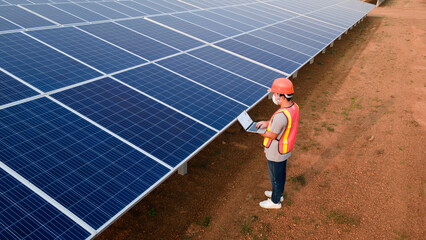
323 51
331 44
340 37
294 74
183 169
311 61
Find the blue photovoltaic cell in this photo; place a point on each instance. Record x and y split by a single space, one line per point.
95 52
296 37
175 4
171 5
313 29
23 18
25 215
280 14
80 12
286 42
303 32
104 11
321 25
155 128
12 90
154 6
54 14
39 65
123 9
225 20
240 18
41 1
6 25
85 169
358 5
189 28
201 103
274 48
242 11
161 34
144 9
206 23
258 10
220 80
129 40
261 56
18 2
237 65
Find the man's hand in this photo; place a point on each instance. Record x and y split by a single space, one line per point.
262 124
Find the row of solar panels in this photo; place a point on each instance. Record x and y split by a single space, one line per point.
94 116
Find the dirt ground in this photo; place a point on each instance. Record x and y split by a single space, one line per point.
357 170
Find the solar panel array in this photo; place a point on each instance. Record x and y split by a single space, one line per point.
101 101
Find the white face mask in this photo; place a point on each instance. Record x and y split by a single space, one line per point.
275 100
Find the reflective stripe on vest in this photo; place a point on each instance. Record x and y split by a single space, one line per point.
286 142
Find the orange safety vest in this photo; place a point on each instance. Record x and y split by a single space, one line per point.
286 142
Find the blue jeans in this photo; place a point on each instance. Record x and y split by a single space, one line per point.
277 173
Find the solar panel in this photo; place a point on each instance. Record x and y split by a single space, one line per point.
95 116
130 40
208 24
6 25
25 215
222 81
237 65
161 34
12 90
23 18
189 28
54 14
93 51
80 12
130 12
102 10
260 55
82 167
40 65
183 95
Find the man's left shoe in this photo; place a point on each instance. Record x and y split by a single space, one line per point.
269 204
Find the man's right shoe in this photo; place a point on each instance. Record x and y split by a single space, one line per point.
269 195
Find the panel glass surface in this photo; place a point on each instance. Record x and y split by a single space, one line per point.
25 215
6 25
123 9
328 35
220 80
129 40
286 42
189 28
155 6
54 14
104 11
155 128
161 34
237 17
208 24
260 56
302 32
137 6
273 48
80 12
12 90
18 2
39 65
225 20
95 52
23 18
171 5
237 65
85 169
246 12
296 37
199 102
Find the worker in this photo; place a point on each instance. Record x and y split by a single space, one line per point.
279 139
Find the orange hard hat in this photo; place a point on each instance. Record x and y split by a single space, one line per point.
282 86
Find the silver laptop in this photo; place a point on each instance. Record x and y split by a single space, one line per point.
248 124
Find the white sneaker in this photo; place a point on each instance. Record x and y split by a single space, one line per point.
269 195
269 204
